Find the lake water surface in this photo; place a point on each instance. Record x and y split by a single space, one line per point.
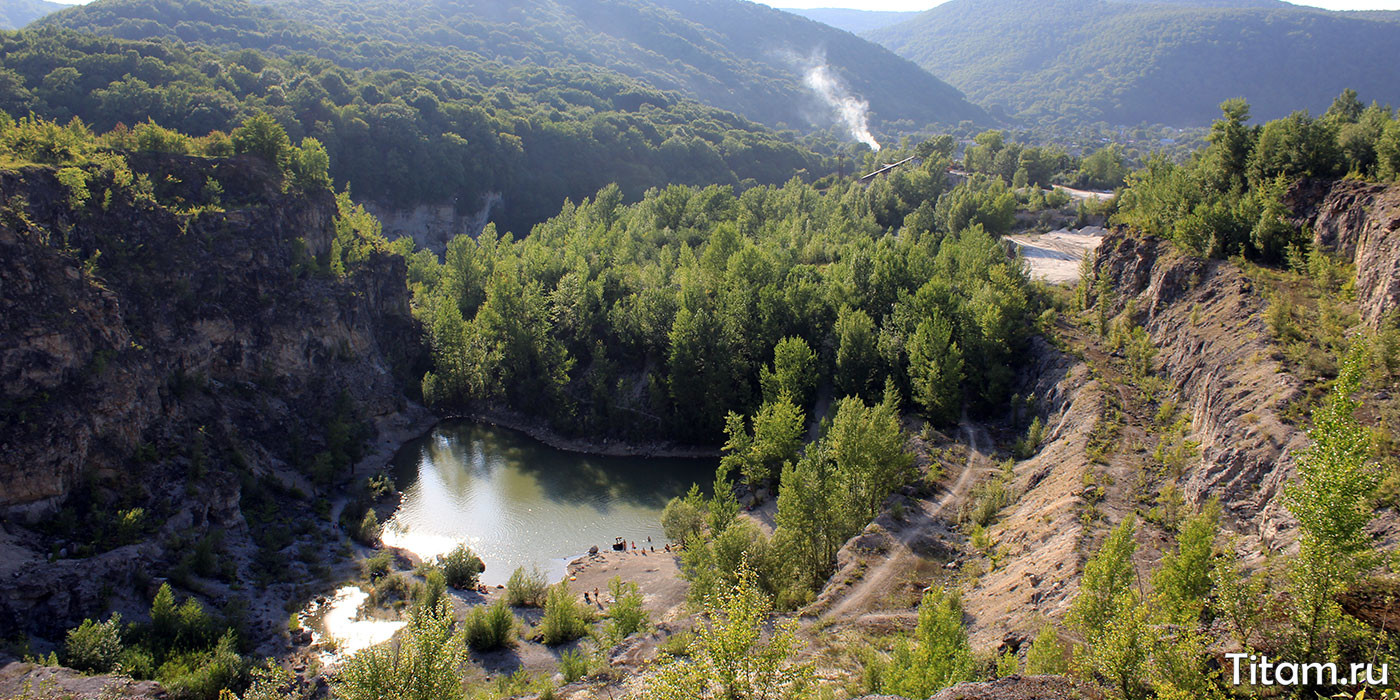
518 502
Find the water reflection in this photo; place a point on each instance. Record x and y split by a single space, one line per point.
518 502
338 620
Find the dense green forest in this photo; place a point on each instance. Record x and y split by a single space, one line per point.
536 135
1154 63
17 13
1229 199
658 318
737 56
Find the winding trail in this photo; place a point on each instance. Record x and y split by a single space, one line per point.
867 594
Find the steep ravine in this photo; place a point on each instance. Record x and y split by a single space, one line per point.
199 349
1206 321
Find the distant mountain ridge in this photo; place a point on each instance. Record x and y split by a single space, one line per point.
439 138
853 21
17 13
1168 61
738 56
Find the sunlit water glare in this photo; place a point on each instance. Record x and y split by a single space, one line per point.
338 620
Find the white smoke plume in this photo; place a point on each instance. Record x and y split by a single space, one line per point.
850 109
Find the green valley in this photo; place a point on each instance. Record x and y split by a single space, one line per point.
691 350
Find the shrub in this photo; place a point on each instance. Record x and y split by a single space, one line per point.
489 627
1008 664
573 665
1331 497
377 566
677 645
153 138
424 665
433 589
138 663
197 629
735 653
201 675
626 616
388 589
526 588
308 165
262 136
368 532
564 617
1046 655
515 685
1182 581
462 567
986 502
380 485
1107 577
684 518
938 656
217 144
270 682
76 180
1035 434
95 647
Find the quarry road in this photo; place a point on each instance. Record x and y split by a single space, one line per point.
932 517
1055 256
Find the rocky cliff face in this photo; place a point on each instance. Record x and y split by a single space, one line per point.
1361 223
154 354
434 226
1205 318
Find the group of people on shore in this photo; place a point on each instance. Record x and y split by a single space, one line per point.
648 546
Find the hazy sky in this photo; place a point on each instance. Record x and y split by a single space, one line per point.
925 4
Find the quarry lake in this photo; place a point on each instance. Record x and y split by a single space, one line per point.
518 502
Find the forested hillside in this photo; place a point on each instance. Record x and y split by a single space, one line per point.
1129 63
535 135
17 13
737 56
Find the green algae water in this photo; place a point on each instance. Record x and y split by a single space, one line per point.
518 502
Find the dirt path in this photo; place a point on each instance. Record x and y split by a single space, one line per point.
931 518
1078 194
